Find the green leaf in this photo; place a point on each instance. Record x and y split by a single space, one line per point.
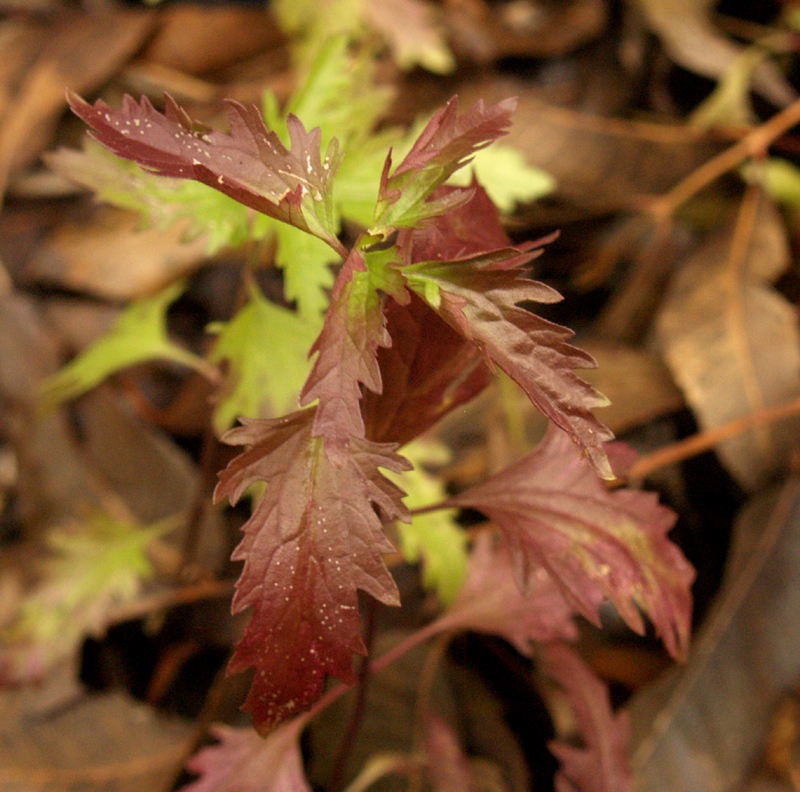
305 261
159 200
779 177
505 175
729 103
448 142
139 334
433 537
266 347
96 567
338 94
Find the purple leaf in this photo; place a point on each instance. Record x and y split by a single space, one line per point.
556 513
313 539
250 165
244 762
602 764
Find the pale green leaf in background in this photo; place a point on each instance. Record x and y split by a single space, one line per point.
159 200
729 103
433 538
778 177
266 347
505 175
96 567
139 334
305 261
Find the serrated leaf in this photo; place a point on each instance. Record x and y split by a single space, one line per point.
506 176
244 762
159 200
479 296
447 143
359 176
491 602
555 513
313 539
432 537
139 334
307 274
250 165
266 347
95 568
354 329
428 371
602 764
337 93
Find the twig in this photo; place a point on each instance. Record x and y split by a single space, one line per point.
755 143
704 441
205 589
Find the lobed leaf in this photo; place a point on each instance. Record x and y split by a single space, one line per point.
139 334
337 92
161 201
354 329
479 296
244 762
491 602
95 567
251 165
445 145
555 513
313 539
602 764
266 347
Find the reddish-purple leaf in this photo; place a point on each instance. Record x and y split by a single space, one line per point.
354 329
250 165
313 539
602 765
446 144
447 766
555 513
430 368
491 602
428 371
471 228
479 296
244 762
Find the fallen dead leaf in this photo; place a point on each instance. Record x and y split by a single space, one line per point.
111 257
80 52
733 346
99 742
703 726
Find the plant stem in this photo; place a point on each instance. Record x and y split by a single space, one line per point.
356 716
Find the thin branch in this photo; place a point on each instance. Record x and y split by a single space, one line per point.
755 143
205 589
705 441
